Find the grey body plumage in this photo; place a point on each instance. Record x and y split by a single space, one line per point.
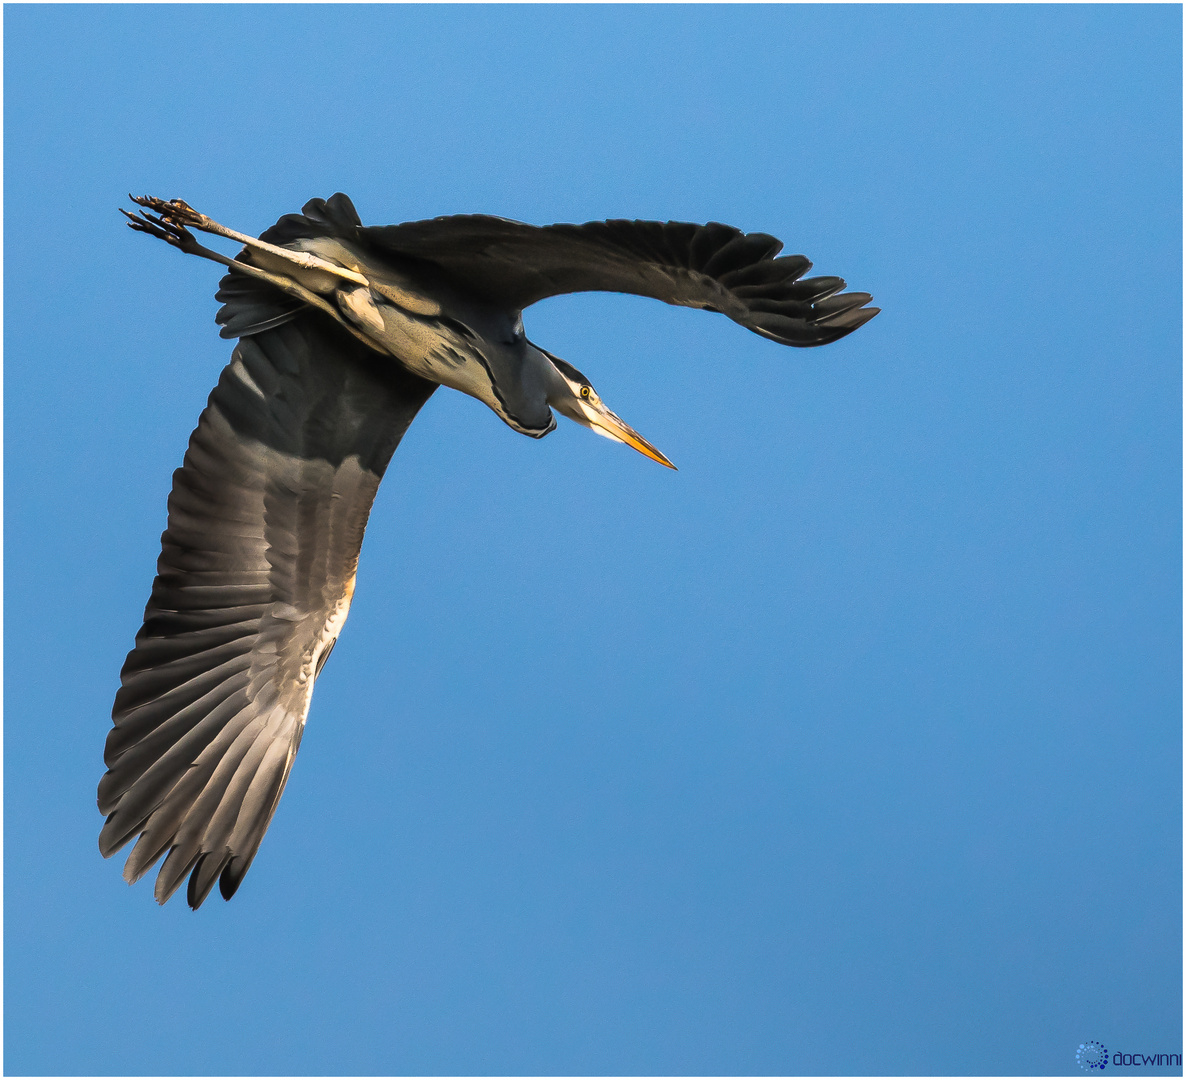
344 333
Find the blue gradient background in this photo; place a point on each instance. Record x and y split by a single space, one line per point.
853 747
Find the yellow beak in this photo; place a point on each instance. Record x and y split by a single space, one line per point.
606 423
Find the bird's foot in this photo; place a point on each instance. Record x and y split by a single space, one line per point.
175 210
168 224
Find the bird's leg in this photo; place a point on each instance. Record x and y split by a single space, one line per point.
182 214
168 228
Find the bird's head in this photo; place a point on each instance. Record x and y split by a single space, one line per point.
571 394
523 384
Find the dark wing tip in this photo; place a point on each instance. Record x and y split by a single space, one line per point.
205 873
230 880
851 320
803 328
805 313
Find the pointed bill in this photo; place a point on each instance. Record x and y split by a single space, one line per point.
611 426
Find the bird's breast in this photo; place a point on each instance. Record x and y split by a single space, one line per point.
428 348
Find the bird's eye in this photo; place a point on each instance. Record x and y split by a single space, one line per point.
585 391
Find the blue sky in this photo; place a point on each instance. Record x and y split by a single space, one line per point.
852 747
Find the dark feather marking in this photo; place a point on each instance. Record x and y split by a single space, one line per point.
205 874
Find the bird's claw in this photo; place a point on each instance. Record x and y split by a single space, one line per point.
168 223
175 210
170 232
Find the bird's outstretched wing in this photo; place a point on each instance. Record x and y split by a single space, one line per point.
713 266
254 580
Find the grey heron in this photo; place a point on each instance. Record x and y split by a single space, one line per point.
344 332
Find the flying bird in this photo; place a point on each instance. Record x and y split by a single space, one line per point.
344 332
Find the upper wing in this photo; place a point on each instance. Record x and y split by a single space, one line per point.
713 266
253 584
